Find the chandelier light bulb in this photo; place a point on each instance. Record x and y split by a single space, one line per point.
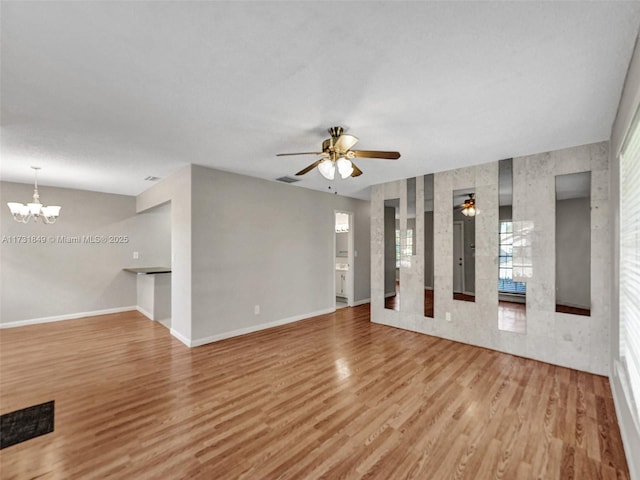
345 167
327 169
23 213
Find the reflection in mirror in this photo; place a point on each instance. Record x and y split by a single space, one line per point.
392 254
409 247
511 294
464 245
428 246
573 243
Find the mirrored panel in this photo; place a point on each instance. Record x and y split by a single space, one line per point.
464 244
392 254
428 246
512 302
409 244
573 243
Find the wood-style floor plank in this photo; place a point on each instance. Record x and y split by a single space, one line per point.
330 397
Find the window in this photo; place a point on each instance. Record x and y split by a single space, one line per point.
505 257
408 249
630 259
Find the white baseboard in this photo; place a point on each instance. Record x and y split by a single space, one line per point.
180 337
69 316
144 312
361 302
252 328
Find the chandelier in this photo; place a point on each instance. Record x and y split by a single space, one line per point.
469 208
23 213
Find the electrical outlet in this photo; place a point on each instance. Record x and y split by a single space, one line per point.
256 309
136 255
447 316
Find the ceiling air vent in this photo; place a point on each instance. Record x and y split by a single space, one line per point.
287 180
152 179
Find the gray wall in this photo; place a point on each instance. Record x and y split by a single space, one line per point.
573 252
176 190
505 213
629 429
389 250
43 280
428 249
256 242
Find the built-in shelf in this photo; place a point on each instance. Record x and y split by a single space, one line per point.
153 292
148 270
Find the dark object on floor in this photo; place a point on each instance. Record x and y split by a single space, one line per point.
25 424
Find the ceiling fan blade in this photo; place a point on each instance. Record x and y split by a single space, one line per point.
344 142
376 154
310 167
298 153
356 171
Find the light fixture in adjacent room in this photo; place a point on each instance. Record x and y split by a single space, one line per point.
23 213
469 208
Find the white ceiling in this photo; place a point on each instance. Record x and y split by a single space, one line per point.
102 95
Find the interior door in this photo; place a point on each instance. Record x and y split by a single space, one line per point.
458 257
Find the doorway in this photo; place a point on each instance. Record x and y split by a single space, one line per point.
343 259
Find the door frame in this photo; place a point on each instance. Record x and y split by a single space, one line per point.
350 277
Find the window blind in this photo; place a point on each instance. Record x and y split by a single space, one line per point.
505 261
630 258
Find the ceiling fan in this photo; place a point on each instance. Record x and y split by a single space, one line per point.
337 154
468 208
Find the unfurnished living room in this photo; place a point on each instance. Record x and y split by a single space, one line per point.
341 240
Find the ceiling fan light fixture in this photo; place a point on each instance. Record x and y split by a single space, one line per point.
336 153
469 211
345 167
327 169
469 208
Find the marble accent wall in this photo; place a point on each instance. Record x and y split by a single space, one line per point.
568 340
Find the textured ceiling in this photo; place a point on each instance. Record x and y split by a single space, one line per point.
102 95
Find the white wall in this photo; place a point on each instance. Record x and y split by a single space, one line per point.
629 104
44 281
568 340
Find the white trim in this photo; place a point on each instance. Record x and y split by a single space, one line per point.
69 316
181 337
629 430
252 328
361 302
144 312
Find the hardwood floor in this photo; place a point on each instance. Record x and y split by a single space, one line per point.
512 317
330 397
